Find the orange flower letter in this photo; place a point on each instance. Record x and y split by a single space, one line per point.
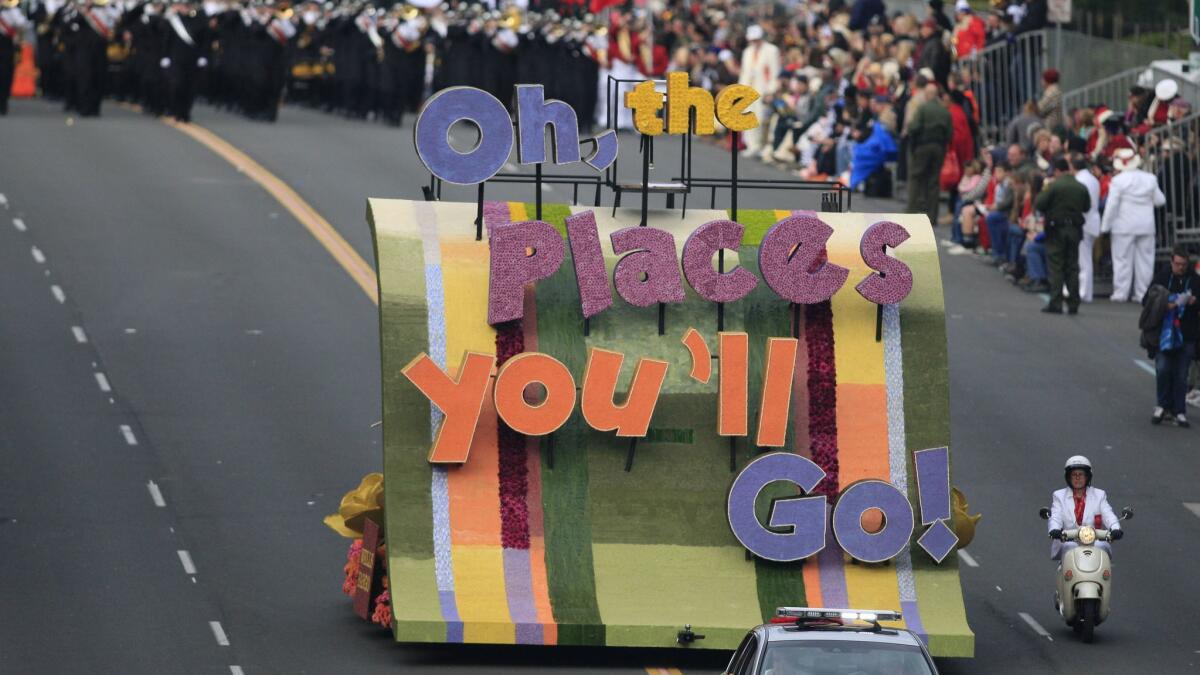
731 394
600 383
459 400
776 392
701 357
528 418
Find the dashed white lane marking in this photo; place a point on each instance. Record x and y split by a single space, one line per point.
58 294
1144 365
37 254
19 224
127 432
236 670
3 200
156 494
967 558
219 633
102 382
80 336
185 559
1037 627
130 331
1194 507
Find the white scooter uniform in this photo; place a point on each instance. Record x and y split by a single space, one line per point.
1062 517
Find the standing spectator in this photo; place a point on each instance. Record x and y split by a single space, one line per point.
937 13
1050 105
1034 17
1129 216
929 133
962 141
931 51
1091 224
863 11
760 67
1177 340
969 33
1064 201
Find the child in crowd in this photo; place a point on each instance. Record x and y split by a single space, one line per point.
971 189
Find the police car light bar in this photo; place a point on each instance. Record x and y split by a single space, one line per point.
869 615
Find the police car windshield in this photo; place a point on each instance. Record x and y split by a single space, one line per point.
840 657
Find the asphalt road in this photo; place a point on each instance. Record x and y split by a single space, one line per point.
244 363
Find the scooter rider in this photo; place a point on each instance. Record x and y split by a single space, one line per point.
1080 504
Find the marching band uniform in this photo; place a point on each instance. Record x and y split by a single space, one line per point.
352 58
184 56
89 30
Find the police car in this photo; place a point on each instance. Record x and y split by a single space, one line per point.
814 641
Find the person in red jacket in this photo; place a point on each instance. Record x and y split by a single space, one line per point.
962 142
970 33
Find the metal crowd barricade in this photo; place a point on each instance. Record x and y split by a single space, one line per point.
1173 157
1113 91
1002 77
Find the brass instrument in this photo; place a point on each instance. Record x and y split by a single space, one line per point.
513 18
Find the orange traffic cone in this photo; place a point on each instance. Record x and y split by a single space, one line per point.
25 77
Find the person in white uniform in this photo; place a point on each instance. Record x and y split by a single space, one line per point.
760 69
1091 224
1077 505
1129 216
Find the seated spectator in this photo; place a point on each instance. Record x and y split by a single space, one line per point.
1021 129
996 213
1014 238
1018 160
971 189
1083 121
1037 278
1137 107
1108 137
791 106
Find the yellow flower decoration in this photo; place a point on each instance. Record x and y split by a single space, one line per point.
364 501
961 521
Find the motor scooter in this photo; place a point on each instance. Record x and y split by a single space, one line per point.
1084 578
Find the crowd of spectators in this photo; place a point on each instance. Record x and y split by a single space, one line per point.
854 94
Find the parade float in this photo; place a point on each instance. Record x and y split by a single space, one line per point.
649 427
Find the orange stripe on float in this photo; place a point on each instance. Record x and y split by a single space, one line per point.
475 485
862 439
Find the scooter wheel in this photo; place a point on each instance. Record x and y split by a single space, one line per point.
1089 614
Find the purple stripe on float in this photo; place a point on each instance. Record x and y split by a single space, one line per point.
912 619
833 575
454 625
518 584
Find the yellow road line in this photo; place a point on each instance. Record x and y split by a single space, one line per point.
321 230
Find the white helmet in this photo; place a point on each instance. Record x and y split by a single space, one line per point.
1077 462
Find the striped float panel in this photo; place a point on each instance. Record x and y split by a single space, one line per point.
552 541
